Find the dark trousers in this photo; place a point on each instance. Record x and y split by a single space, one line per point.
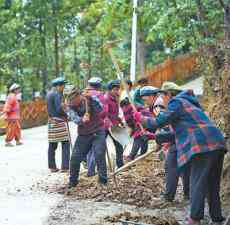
84 143
205 178
172 175
91 164
119 150
65 155
139 143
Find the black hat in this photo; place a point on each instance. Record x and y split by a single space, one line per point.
59 81
113 83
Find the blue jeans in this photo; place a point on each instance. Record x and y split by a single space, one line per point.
65 155
83 144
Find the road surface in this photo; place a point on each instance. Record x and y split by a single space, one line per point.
24 167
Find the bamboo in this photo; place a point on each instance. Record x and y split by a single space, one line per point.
227 222
120 74
111 168
128 165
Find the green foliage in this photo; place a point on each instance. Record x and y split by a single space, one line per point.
33 31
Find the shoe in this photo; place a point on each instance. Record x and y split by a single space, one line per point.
70 188
54 170
8 144
72 185
190 221
103 181
91 175
165 198
222 221
127 158
64 170
19 143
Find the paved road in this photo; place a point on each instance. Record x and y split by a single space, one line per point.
21 169
24 167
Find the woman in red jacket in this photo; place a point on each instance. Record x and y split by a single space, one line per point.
12 115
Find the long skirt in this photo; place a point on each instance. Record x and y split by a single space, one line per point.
13 130
57 130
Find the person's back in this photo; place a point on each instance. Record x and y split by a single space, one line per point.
95 122
113 109
195 133
54 100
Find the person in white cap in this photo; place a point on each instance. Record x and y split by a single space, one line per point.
12 115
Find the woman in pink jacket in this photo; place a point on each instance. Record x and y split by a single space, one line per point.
12 115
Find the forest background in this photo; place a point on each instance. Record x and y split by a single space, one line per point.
43 39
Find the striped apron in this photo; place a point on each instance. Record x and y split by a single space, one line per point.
57 130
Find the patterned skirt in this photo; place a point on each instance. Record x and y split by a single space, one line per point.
57 130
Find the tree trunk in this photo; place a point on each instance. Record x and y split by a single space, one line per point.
227 24
44 71
101 58
56 42
89 58
76 64
62 51
226 8
56 50
141 53
202 18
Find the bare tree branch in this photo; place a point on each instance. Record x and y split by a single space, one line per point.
222 3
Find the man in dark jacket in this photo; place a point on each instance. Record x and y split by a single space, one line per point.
200 144
94 89
85 111
57 128
113 119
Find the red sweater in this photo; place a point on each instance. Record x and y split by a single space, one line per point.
12 108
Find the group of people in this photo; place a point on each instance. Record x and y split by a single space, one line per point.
194 148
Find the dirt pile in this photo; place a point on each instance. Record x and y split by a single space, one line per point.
140 218
141 185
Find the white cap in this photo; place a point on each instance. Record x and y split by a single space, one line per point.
14 87
95 80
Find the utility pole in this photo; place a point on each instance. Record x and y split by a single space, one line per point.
134 43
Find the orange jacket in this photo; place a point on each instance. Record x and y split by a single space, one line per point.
12 108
